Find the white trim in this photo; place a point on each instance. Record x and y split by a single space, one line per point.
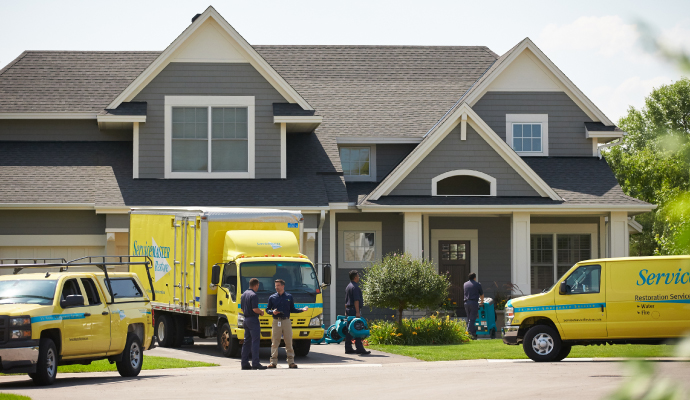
619 233
603 134
372 165
463 127
571 90
210 101
293 119
412 234
121 118
135 150
463 172
116 230
244 48
283 150
507 209
541 119
377 140
501 147
310 230
332 258
47 206
52 240
595 147
634 226
358 226
49 115
457 234
520 271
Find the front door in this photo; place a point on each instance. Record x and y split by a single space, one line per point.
454 259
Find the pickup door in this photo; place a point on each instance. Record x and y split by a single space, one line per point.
99 320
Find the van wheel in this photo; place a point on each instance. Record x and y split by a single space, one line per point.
165 330
229 346
301 347
132 357
565 350
46 367
542 343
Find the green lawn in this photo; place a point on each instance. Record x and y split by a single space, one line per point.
495 349
10 396
150 362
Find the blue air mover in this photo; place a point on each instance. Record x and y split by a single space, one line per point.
358 328
486 320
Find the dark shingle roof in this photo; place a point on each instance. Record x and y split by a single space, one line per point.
288 109
600 127
127 108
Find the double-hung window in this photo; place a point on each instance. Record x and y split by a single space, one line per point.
552 255
359 162
209 137
528 134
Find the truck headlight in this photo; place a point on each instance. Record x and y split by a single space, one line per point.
509 315
20 321
316 321
240 320
21 334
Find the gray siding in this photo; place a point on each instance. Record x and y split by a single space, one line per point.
25 222
209 79
566 119
118 221
388 156
58 130
473 153
494 247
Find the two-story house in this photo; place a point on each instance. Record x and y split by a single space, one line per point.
482 163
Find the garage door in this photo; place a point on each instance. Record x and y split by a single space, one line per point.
38 252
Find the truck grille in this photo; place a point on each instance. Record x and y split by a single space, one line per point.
4 328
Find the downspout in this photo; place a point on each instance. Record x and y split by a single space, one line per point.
322 220
608 145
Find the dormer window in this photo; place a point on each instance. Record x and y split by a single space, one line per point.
359 162
463 183
528 134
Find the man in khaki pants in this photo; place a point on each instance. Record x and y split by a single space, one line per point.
281 305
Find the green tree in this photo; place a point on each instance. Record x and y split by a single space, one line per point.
399 281
653 164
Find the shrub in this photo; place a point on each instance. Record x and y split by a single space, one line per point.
423 331
399 282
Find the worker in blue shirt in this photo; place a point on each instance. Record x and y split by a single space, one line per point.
354 302
252 328
281 305
474 296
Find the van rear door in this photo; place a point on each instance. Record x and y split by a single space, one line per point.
581 310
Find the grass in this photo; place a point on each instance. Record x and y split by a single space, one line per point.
10 396
150 362
495 349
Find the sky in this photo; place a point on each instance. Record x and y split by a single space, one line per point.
597 44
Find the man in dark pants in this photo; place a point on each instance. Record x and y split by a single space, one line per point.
473 296
353 304
252 328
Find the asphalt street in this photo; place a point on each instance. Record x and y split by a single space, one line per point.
328 372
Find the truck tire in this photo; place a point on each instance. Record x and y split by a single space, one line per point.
179 330
301 347
542 343
565 350
165 330
229 346
132 357
46 366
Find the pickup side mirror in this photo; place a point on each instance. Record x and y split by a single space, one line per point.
563 288
327 274
73 300
215 274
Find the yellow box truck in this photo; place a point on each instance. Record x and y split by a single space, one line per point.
640 300
203 261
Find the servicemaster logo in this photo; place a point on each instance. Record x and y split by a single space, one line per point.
272 244
159 255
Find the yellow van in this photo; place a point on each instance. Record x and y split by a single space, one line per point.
640 300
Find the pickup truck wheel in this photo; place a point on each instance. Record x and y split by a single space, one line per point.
229 345
542 343
132 357
165 330
565 350
46 367
301 347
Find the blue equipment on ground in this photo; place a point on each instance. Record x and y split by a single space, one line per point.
486 319
358 328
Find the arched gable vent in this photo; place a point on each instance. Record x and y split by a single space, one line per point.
463 182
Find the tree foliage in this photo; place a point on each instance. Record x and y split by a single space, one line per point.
653 164
399 281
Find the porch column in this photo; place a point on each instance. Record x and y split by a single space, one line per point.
520 249
618 225
334 263
413 234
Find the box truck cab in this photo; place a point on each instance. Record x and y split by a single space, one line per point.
644 300
203 261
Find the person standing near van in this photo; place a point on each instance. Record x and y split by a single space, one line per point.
252 327
353 306
281 305
473 295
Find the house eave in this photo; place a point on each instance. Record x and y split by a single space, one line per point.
50 115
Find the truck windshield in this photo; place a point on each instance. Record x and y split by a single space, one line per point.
299 277
27 292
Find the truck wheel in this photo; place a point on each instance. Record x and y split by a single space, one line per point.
542 343
46 367
565 350
301 347
179 331
132 357
165 330
229 345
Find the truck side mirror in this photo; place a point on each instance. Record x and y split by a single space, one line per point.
563 288
215 274
327 274
73 300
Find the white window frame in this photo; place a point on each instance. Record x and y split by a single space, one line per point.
358 226
210 101
372 164
464 172
542 119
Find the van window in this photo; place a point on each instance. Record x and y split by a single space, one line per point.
585 279
91 291
125 287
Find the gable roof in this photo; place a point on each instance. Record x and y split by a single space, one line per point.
245 49
440 132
